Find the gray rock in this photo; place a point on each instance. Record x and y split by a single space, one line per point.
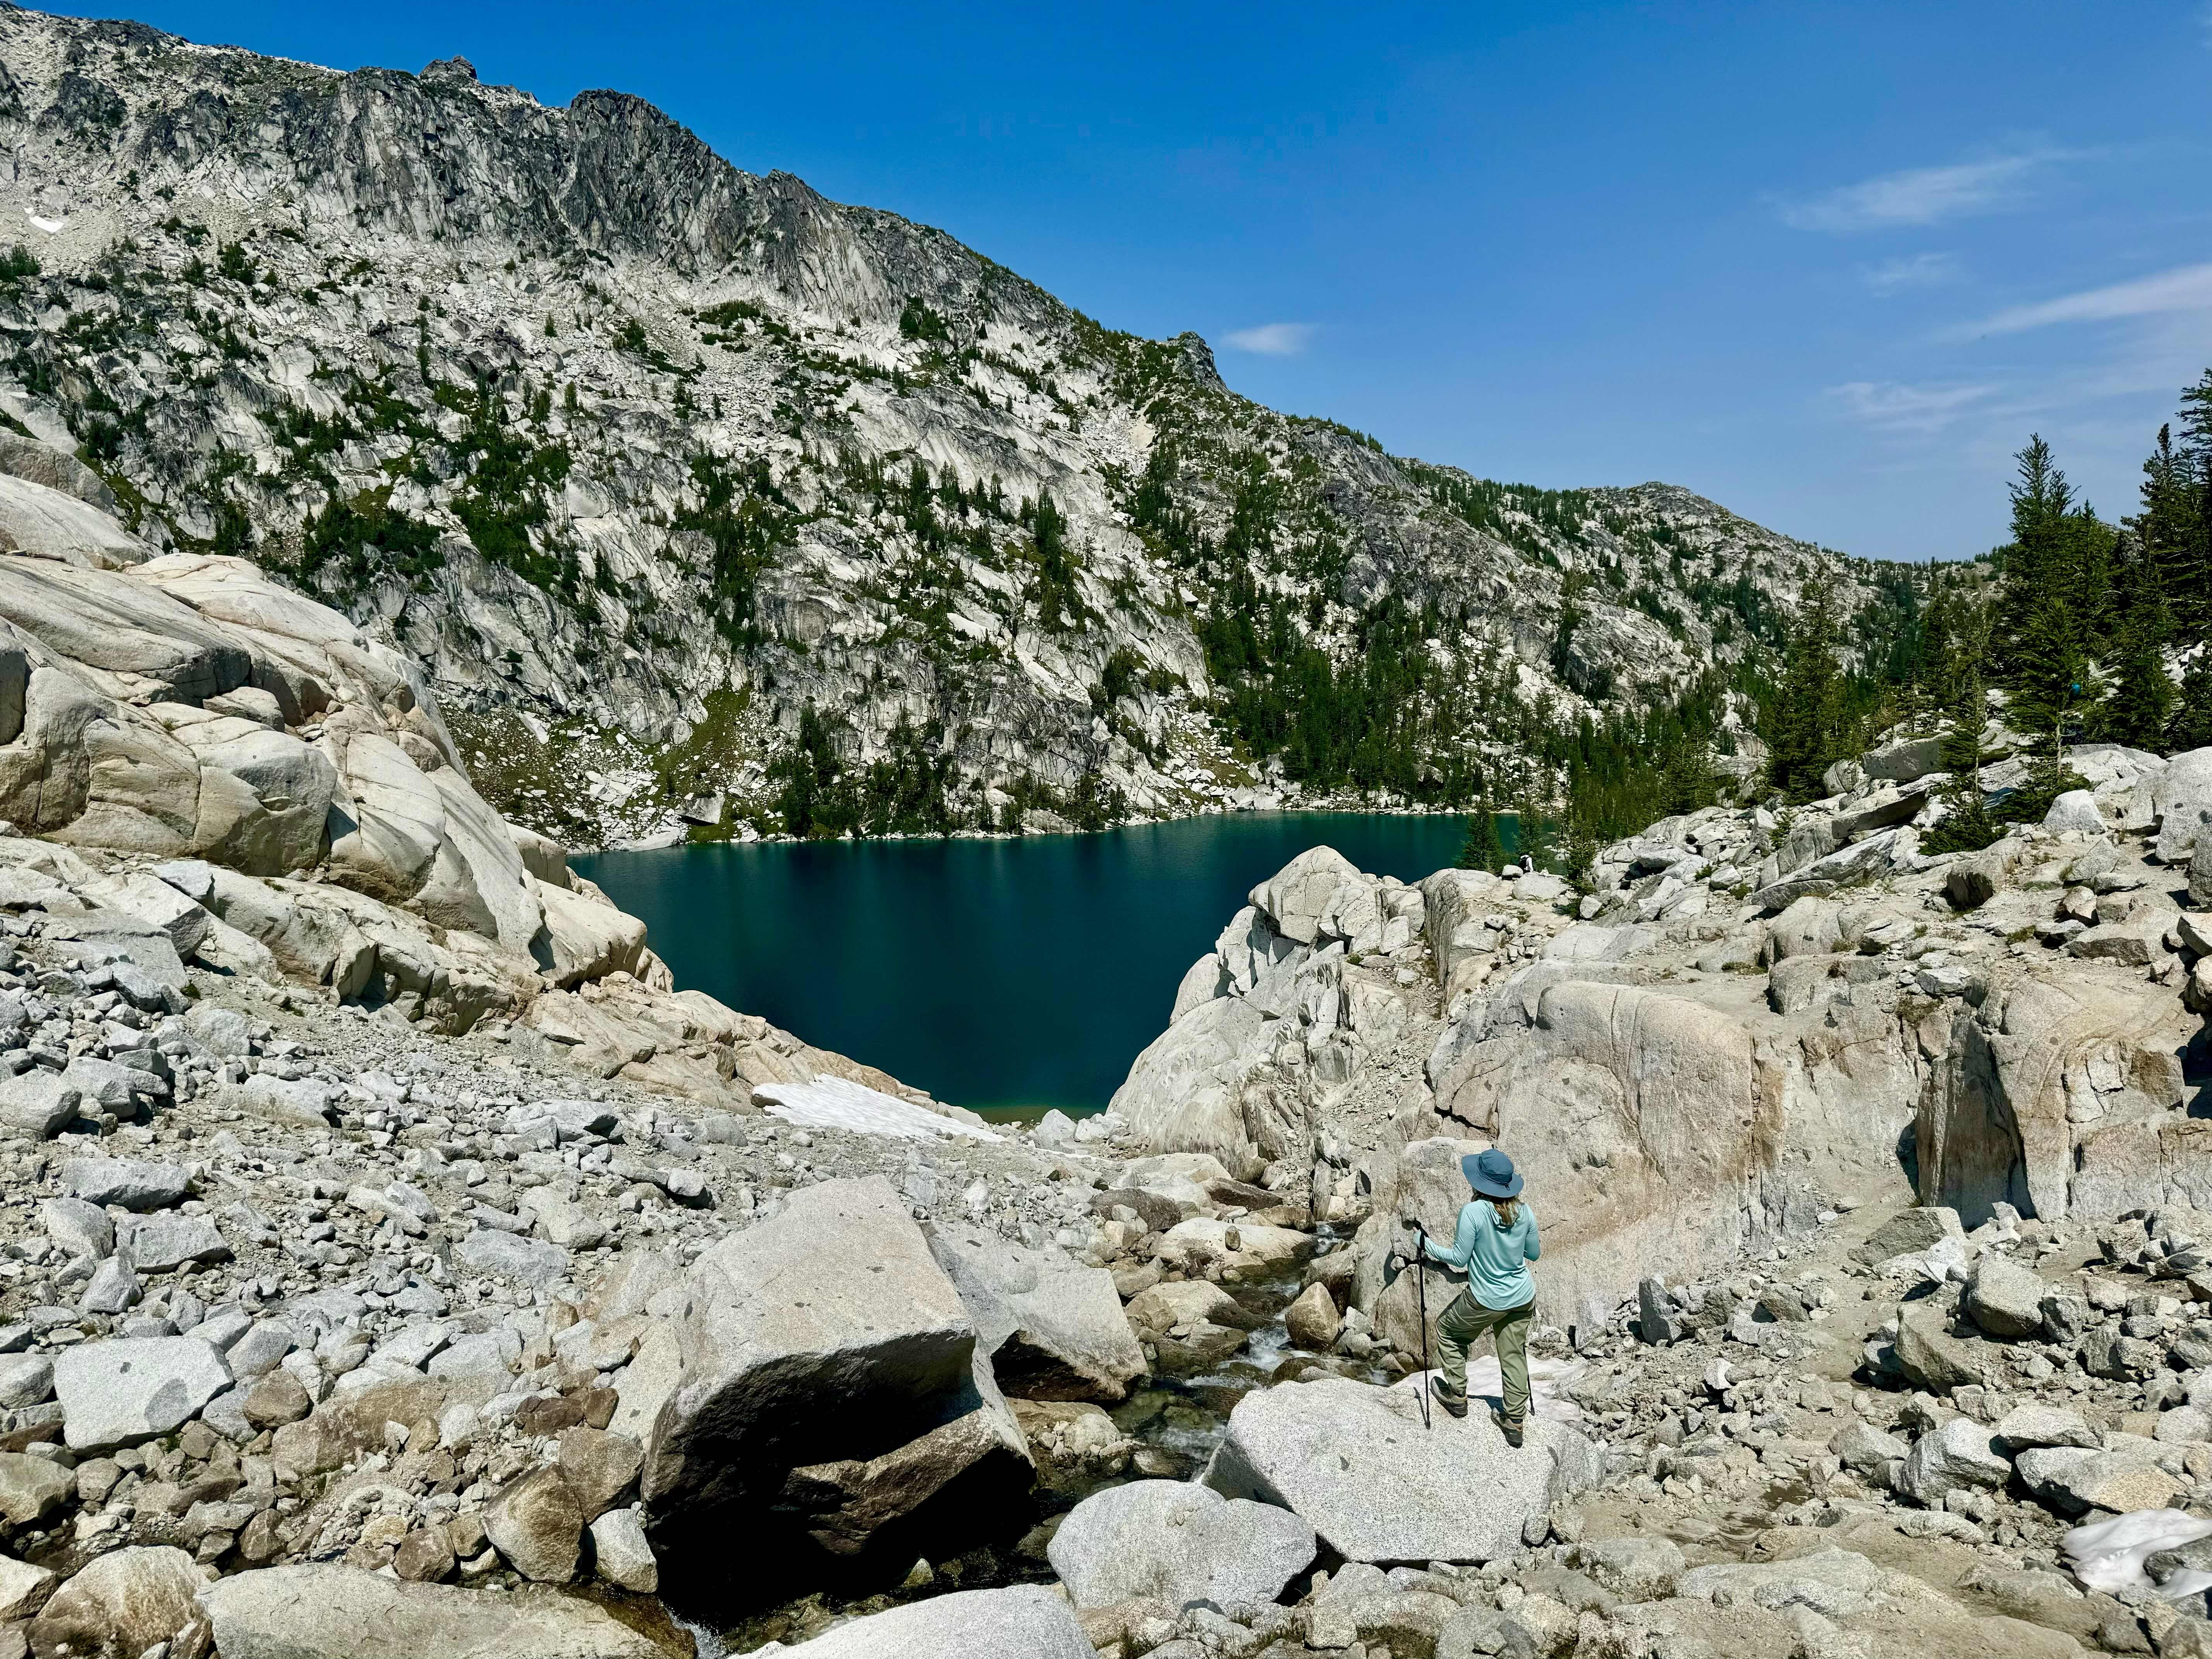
1927 1354
1633 1569
223 1032
1312 1321
532 1261
1955 1456
303 1103
601 1468
113 1287
38 1103
1864 1450
826 1338
620 1554
32 1489
122 1603
159 1244
259 1349
1054 1330
487 1355
26 1379
2025 1427
537 1525
1355 1462
1909 1230
1024 1622
1904 761
81 1229
331 1612
2123 1477
1177 1542
2004 1298
2181 796
2075 810
23 1588
1656 1320
55 468
119 1392
134 1183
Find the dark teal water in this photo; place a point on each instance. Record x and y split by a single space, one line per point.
994 973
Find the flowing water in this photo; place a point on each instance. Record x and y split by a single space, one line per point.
1000 974
1178 1419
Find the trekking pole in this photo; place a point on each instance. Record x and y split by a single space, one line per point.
1421 1295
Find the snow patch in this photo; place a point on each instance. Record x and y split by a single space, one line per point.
2109 1555
831 1102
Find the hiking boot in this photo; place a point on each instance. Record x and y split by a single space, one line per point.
1508 1427
1450 1398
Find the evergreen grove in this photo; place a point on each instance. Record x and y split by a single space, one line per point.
2074 622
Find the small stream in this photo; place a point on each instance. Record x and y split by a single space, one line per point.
1176 1422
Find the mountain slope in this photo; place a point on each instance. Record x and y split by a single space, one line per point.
646 458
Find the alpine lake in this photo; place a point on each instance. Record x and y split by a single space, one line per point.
1009 976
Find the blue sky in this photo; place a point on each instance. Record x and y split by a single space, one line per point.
1827 263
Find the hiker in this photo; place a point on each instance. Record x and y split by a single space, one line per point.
1493 1245
1527 864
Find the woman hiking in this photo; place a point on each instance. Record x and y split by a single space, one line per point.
1493 1245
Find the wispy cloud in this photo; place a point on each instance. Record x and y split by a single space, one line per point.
1274 339
1914 270
1892 406
2186 288
1922 196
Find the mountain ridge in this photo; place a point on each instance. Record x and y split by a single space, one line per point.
534 392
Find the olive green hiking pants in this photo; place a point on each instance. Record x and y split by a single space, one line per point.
1465 1323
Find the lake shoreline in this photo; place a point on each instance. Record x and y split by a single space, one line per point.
660 844
1008 974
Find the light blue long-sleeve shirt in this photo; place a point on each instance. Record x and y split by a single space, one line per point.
1495 1259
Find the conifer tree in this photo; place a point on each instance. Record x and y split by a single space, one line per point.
1807 728
1481 850
2141 699
2192 716
2053 605
1534 832
2171 531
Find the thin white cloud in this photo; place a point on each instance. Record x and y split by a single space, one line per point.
2186 288
1274 339
1921 196
1914 270
1892 406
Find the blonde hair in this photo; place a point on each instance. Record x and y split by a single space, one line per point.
1507 1209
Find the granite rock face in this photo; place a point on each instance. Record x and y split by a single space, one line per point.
331 1612
1177 1542
828 1366
612 250
1356 1464
1024 1622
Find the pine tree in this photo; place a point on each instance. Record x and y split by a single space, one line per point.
1532 831
2192 716
1481 850
2041 498
2141 699
2171 530
1807 725
2052 605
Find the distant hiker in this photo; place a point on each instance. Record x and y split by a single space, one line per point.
1493 1245
1527 864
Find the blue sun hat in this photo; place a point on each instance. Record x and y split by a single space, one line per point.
1490 1174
